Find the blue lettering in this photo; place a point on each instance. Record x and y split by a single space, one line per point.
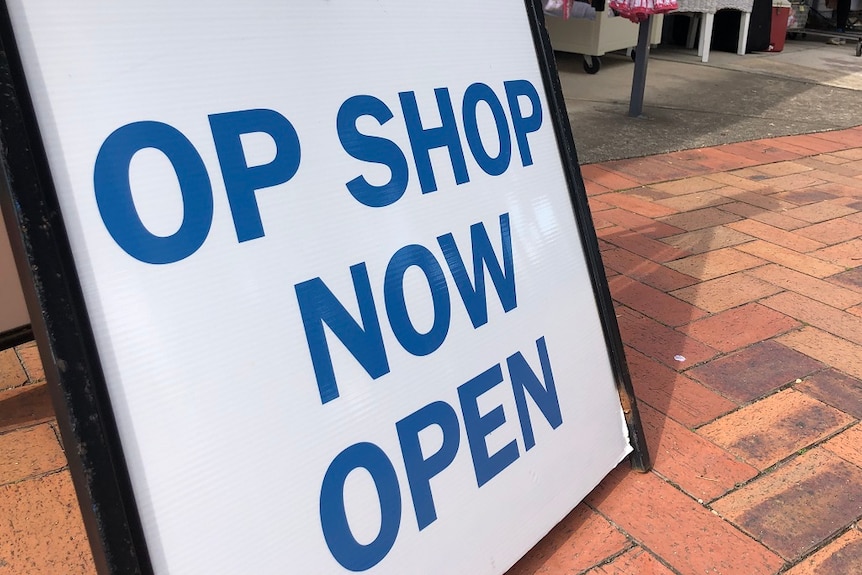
479 426
242 181
523 125
114 193
396 307
483 93
421 467
318 306
349 552
523 378
371 149
420 470
473 294
423 140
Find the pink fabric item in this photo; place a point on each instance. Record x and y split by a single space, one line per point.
638 10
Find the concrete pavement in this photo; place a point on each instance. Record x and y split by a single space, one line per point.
809 87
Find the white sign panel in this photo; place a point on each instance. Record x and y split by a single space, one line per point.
336 284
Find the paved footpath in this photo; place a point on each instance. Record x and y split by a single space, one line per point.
746 260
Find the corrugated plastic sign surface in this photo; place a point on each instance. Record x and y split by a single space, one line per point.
336 285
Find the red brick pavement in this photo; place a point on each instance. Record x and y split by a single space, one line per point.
746 259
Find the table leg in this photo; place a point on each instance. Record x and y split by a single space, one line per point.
744 22
705 36
693 21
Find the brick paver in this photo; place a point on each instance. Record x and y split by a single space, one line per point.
851 278
660 342
42 531
699 219
694 201
699 467
762 196
838 175
642 245
707 239
721 262
12 373
607 178
714 159
727 292
820 212
817 142
736 179
28 452
764 151
835 388
634 561
582 539
755 371
737 277
844 555
29 356
763 214
597 206
654 303
641 224
781 168
846 254
637 204
650 170
790 258
808 195
818 314
827 348
677 528
24 406
799 505
814 288
739 327
651 273
775 235
765 432
673 393
687 186
846 445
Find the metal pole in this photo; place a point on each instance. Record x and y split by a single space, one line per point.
636 104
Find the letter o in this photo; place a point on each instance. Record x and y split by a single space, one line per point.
117 207
350 553
396 307
476 93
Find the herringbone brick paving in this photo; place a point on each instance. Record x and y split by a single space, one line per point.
743 259
746 260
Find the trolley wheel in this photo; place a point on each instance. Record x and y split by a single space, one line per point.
792 35
859 48
592 64
634 56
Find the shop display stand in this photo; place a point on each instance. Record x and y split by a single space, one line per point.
595 38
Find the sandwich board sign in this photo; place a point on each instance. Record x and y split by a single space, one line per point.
315 283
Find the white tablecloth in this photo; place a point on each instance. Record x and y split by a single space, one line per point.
713 6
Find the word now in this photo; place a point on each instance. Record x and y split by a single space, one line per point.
319 307
356 556
116 205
